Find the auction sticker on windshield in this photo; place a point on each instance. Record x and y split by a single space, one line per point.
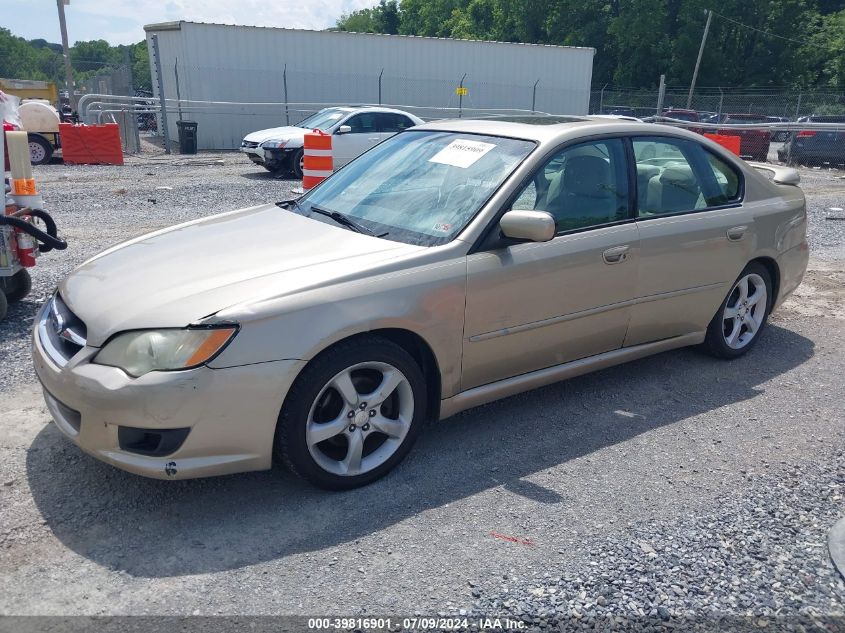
461 153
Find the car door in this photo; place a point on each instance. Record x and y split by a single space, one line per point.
695 236
533 305
364 134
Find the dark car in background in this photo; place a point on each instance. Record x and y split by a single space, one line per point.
815 147
690 116
753 144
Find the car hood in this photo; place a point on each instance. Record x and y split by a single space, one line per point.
183 274
285 133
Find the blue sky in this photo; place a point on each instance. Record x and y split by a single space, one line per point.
122 21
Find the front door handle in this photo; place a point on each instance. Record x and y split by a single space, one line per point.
616 254
736 233
373 138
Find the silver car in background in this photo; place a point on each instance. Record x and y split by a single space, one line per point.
354 130
453 264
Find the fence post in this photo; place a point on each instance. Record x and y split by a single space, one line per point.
534 97
379 85
721 101
162 102
798 107
461 97
601 99
285 85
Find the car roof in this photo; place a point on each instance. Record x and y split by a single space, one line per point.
370 108
545 129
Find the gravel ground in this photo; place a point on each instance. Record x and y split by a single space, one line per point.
717 467
757 561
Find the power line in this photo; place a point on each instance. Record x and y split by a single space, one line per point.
751 28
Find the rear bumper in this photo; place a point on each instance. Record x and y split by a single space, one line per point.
792 265
230 413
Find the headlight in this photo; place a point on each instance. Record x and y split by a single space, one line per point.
143 351
273 144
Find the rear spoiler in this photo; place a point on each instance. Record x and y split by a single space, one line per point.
780 175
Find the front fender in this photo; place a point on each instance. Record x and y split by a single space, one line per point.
427 300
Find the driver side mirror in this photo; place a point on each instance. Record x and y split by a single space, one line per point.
344 129
536 226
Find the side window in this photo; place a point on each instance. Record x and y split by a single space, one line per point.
675 175
727 181
391 122
581 186
364 123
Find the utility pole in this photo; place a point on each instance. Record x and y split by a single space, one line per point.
661 95
66 49
161 99
700 53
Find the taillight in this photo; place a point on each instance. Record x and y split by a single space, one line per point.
805 134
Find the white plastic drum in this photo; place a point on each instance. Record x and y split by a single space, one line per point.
38 116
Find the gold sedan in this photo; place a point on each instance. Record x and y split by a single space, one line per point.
453 264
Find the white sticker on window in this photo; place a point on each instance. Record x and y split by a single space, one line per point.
461 153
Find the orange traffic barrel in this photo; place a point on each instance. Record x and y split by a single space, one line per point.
317 158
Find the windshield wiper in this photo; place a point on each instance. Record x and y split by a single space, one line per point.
344 220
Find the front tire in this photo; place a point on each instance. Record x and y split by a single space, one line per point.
742 316
296 163
352 414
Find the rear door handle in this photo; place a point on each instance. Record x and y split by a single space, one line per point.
616 254
373 138
736 233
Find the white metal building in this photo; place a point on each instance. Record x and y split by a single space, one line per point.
271 66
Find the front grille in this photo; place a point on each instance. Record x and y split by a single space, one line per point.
249 144
62 333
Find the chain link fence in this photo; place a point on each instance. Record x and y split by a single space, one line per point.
790 105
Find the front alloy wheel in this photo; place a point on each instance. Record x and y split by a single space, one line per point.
360 418
352 414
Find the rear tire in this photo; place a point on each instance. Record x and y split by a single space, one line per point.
18 286
352 414
741 318
4 306
40 150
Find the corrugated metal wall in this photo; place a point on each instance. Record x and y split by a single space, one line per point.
247 64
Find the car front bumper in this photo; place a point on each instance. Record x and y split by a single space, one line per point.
273 158
230 413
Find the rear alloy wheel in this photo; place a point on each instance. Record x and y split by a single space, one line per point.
742 315
352 414
40 150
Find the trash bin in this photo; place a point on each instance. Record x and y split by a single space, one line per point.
187 137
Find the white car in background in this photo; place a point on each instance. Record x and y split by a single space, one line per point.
355 130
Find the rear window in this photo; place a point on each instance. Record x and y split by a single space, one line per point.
739 118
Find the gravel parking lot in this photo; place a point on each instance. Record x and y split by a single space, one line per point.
670 489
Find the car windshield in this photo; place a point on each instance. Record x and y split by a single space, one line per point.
322 120
419 187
